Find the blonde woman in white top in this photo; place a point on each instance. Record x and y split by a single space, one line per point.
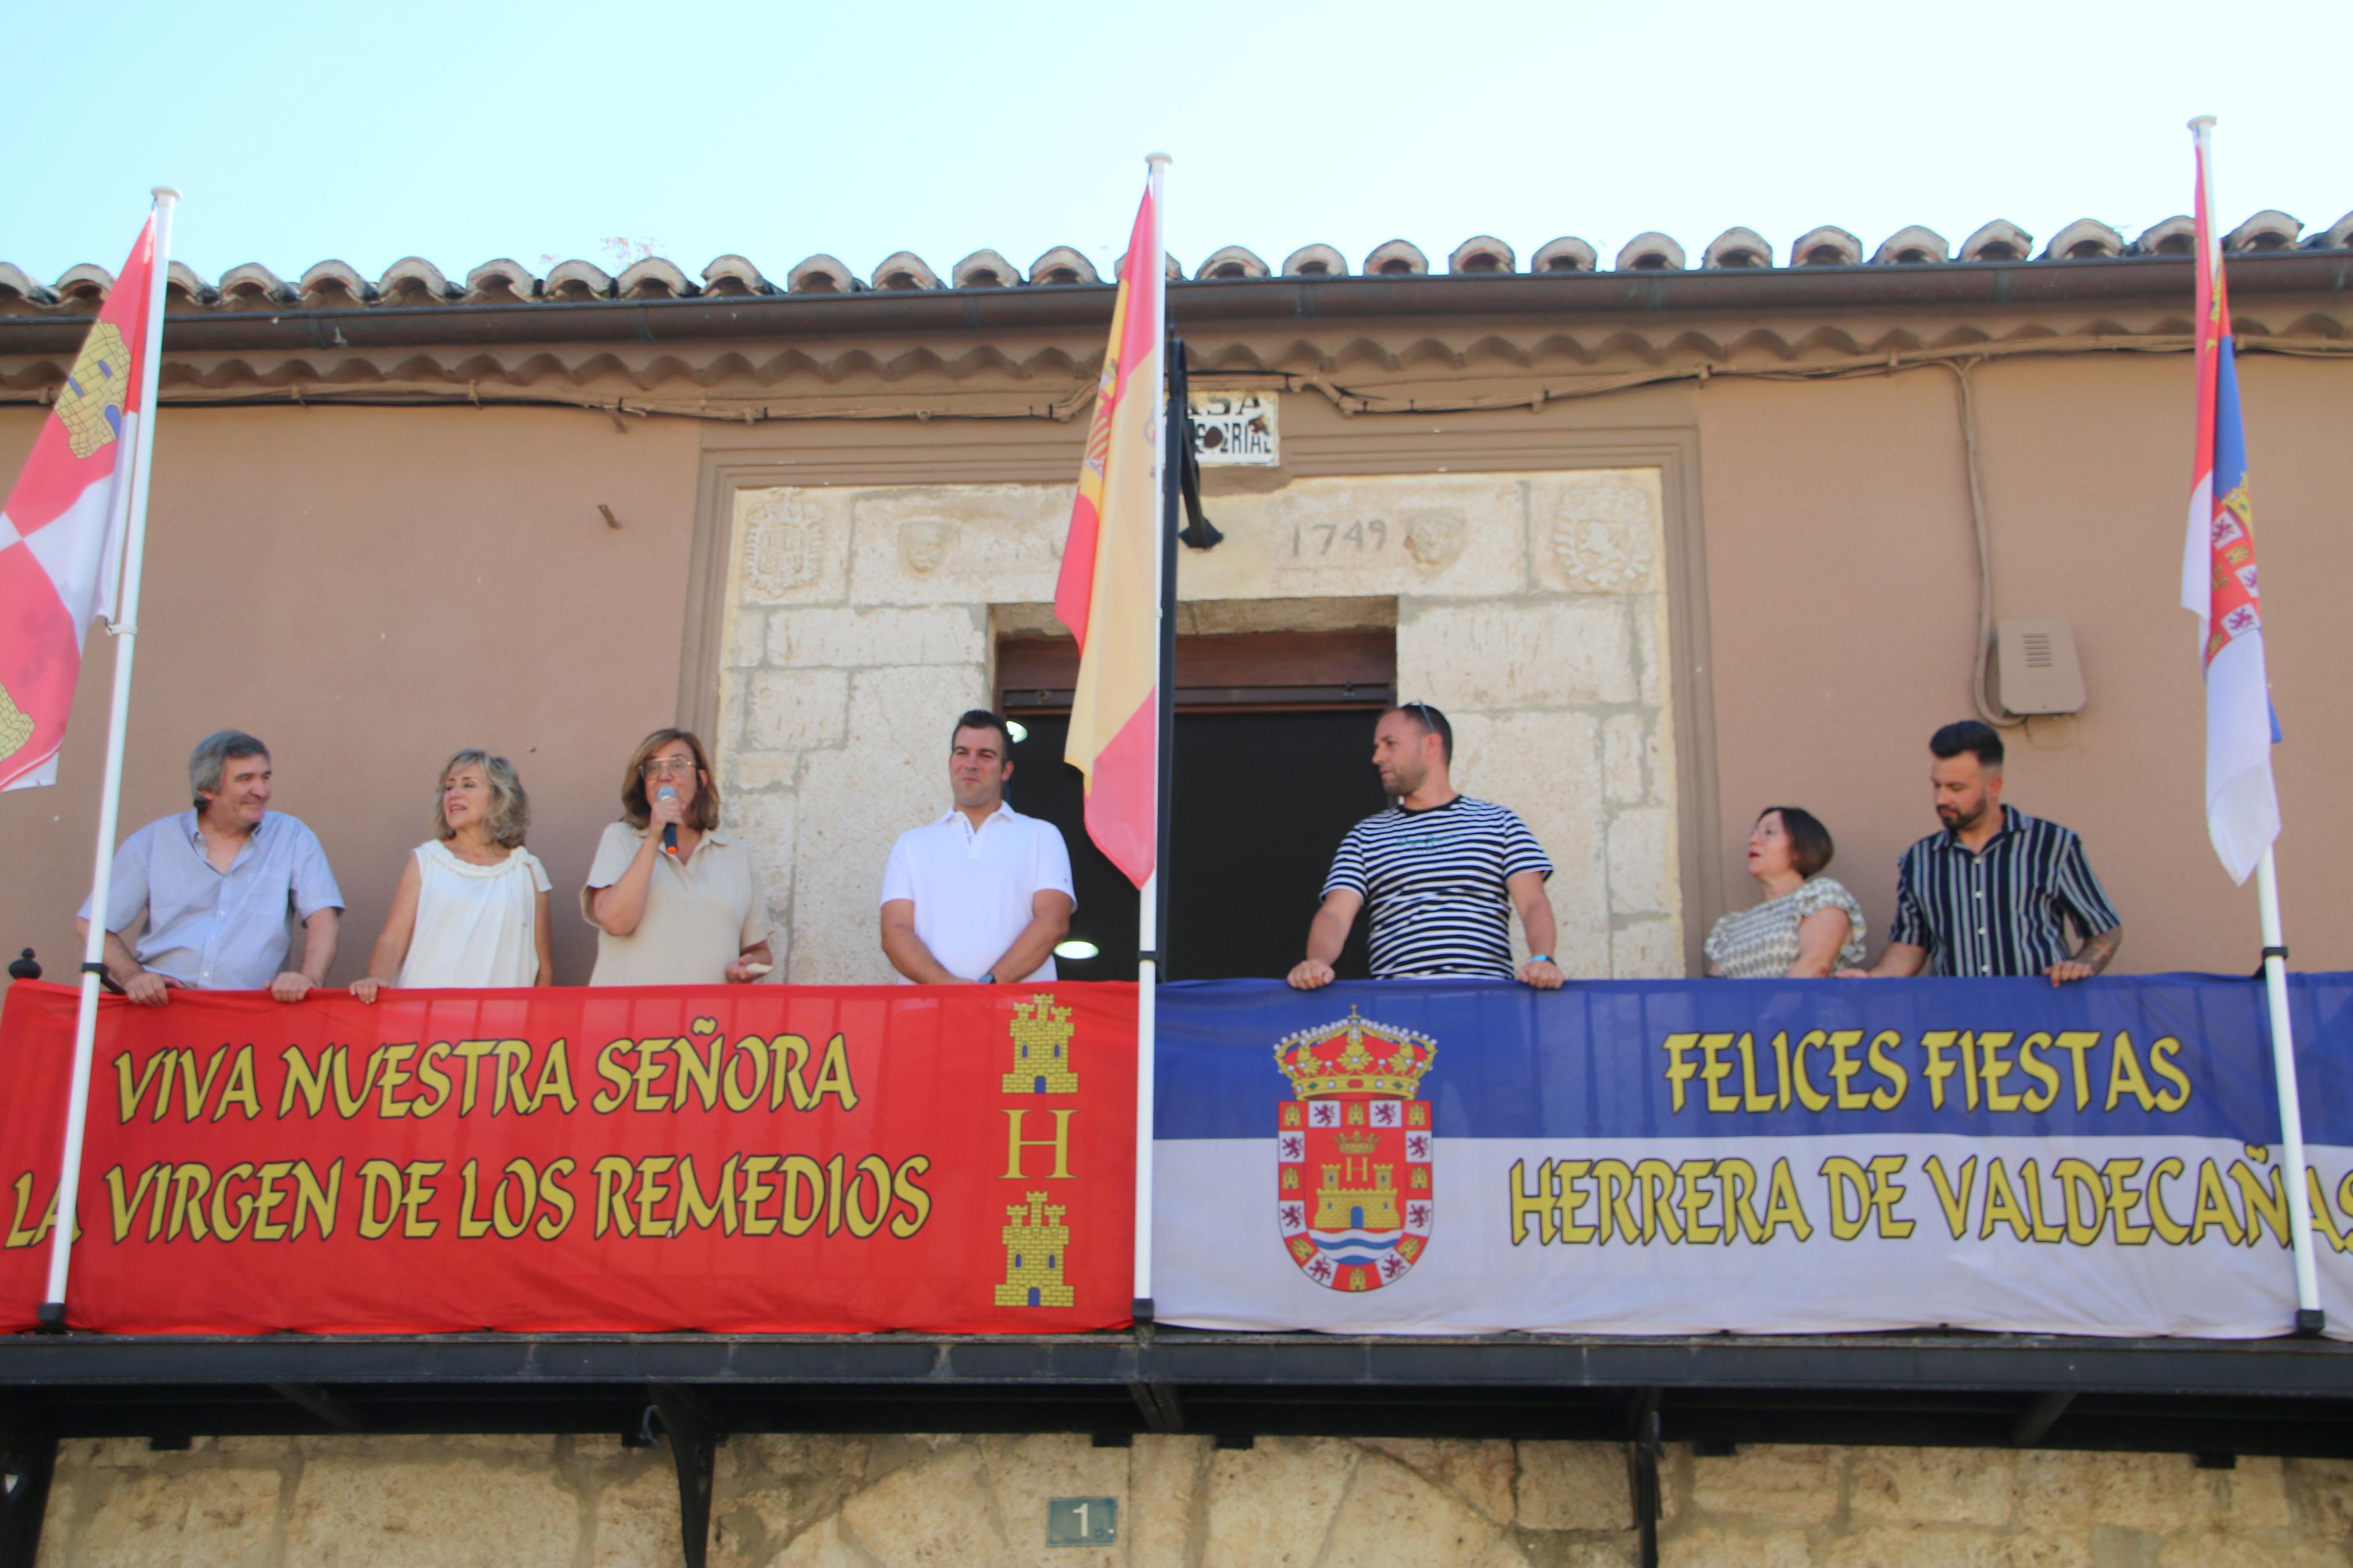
472 908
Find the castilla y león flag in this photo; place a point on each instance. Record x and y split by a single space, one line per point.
61 531
2219 585
1107 594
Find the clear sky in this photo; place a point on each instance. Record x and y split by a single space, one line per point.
464 132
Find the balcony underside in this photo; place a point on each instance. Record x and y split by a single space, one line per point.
2280 1396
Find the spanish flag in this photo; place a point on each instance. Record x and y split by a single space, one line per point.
1109 593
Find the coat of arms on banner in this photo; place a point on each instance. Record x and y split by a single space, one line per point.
1353 1152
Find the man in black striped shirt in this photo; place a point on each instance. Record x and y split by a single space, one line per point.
1993 893
1442 872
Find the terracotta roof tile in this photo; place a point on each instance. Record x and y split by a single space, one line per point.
1314 261
335 283
1737 247
13 282
2000 240
1061 267
1481 253
87 281
1829 245
1567 254
1651 252
414 280
654 279
2084 239
822 274
181 279
254 286
734 275
578 280
1234 261
1398 259
2267 230
1911 246
501 281
985 269
903 270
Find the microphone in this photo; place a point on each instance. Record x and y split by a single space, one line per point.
669 829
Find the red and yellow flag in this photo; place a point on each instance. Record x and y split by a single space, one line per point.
62 527
1109 593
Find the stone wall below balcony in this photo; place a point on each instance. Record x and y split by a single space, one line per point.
793 1502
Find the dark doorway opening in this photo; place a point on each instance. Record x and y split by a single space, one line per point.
1274 740
1261 801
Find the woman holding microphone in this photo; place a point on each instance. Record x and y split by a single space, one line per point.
674 901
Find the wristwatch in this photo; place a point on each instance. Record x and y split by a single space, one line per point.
989 978
1540 958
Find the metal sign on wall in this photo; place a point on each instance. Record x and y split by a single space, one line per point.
1235 429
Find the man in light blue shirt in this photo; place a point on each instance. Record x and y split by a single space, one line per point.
216 884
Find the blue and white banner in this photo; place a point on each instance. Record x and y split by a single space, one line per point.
1678 1157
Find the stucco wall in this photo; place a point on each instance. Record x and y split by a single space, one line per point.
1530 607
788 1501
1843 585
368 590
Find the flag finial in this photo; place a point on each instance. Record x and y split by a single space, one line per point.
2202 122
1160 159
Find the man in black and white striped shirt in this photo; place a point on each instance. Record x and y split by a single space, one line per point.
1994 892
1442 872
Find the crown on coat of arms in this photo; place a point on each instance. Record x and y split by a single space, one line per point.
1355 1055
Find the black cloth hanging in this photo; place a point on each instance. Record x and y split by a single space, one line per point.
1198 532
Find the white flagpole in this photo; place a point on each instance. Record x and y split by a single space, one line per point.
1147 919
125 630
2309 1317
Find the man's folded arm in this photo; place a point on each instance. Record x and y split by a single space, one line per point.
906 950
1050 923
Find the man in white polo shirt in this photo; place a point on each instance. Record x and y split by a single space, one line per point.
984 893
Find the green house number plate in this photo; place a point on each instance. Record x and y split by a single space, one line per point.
1082 1521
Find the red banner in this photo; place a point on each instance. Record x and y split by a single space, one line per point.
746 1158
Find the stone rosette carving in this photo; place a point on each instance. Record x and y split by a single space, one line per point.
924 545
1602 537
1434 538
784 546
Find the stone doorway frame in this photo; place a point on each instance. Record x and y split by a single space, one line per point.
903 452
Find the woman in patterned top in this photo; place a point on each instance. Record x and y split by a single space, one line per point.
1808 925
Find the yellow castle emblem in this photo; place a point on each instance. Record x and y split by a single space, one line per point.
16 725
1042 1049
91 404
1357 1195
1037 1247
